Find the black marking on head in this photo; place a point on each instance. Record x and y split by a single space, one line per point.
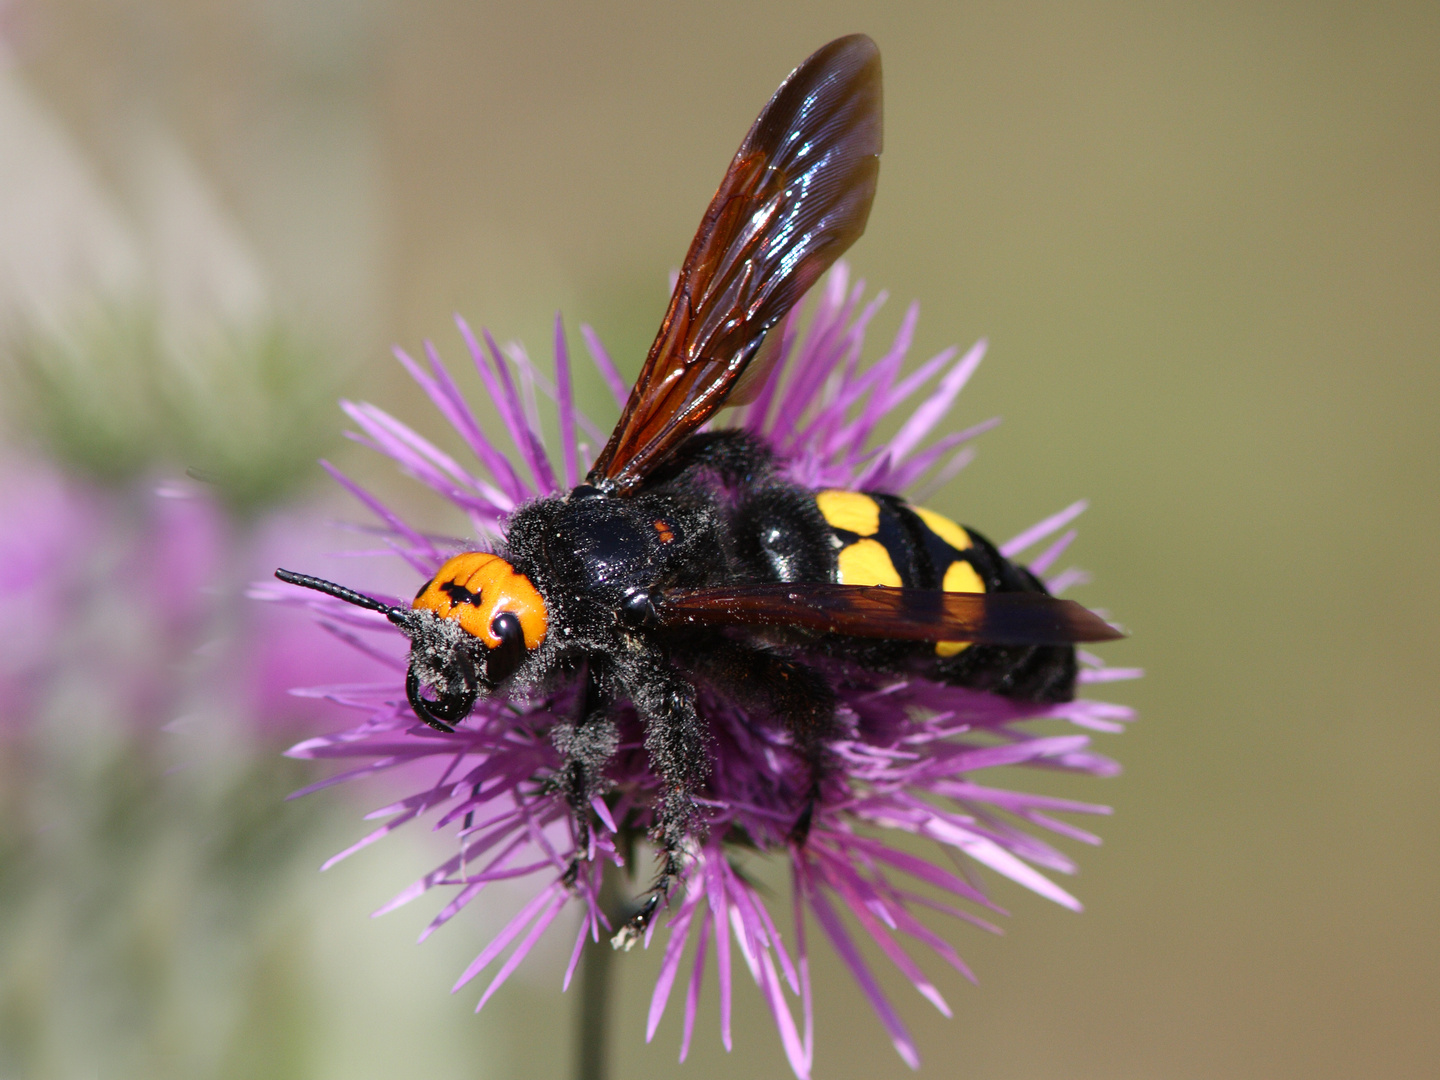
459 594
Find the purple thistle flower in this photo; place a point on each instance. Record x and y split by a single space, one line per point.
910 750
122 590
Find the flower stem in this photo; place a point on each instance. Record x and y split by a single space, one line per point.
592 1060
592 1047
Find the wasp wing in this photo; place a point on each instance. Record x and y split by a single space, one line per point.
796 195
878 611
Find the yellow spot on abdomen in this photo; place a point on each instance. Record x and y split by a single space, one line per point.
960 577
849 510
496 588
866 562
948 531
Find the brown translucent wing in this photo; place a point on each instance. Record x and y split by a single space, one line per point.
878 611
796 195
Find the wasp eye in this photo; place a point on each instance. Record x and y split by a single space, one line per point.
502 660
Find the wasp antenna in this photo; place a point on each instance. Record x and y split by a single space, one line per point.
340 592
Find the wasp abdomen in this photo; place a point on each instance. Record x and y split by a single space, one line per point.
878 539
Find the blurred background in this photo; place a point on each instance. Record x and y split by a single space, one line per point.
1204 242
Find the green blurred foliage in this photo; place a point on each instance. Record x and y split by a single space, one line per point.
255 414
88 396
247 410
148 925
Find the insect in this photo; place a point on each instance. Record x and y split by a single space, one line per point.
686 559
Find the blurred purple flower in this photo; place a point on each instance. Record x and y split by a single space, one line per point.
42 531
128 590
911 751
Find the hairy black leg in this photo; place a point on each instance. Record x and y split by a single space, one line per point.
795 694
588 742
676 746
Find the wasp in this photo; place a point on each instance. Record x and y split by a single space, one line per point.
685 558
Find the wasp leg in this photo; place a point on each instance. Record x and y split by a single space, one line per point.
588 743
676 745
793 693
